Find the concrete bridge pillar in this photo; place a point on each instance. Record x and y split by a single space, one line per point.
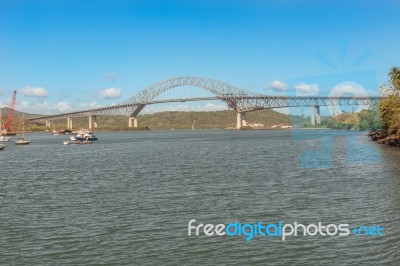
318 115
92 122
315 115
240 120
69 123
132 122
48 123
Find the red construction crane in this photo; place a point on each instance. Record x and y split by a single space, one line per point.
10 117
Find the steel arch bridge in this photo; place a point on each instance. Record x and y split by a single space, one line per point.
237 99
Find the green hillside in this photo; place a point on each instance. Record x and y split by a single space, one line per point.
166 120
364 120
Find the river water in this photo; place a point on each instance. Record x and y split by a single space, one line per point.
128 198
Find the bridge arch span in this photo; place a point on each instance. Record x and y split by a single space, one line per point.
216 87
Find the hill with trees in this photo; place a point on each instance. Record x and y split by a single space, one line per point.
165 120
364 120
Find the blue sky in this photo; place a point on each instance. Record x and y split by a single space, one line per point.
68 55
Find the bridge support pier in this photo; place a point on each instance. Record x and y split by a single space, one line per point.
318 115
240 120
92 122
132 122
315 115
48 123
69 123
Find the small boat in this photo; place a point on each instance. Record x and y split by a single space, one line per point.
65 132
2 146
77 142
4 139
54 133
84 134
23 140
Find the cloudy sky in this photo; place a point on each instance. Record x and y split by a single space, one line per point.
67 55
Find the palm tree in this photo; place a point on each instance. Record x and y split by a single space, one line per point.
394 75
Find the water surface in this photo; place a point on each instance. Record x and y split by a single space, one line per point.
128 198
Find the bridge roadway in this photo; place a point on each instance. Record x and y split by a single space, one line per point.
236 99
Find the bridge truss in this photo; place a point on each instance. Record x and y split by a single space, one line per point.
235 98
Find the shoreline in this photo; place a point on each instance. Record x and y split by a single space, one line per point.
198 129
382 137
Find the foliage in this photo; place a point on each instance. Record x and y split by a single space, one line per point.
371 119
386 116
390 107
394 75
365 120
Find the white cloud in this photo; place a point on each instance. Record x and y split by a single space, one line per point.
43 107
278 85
46 108
306 89
110 93
35 92
348 88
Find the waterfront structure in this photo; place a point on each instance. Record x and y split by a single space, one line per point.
237 99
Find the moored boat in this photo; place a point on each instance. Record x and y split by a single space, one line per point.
77 142
65 132
4 139
84 134
2 146
22 141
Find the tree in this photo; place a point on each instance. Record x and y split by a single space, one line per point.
390 107
394 75
370 119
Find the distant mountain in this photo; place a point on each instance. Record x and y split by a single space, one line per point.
6 110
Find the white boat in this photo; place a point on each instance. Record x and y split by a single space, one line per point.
4 139
23 140
84 134
2 146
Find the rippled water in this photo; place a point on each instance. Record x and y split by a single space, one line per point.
128 198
